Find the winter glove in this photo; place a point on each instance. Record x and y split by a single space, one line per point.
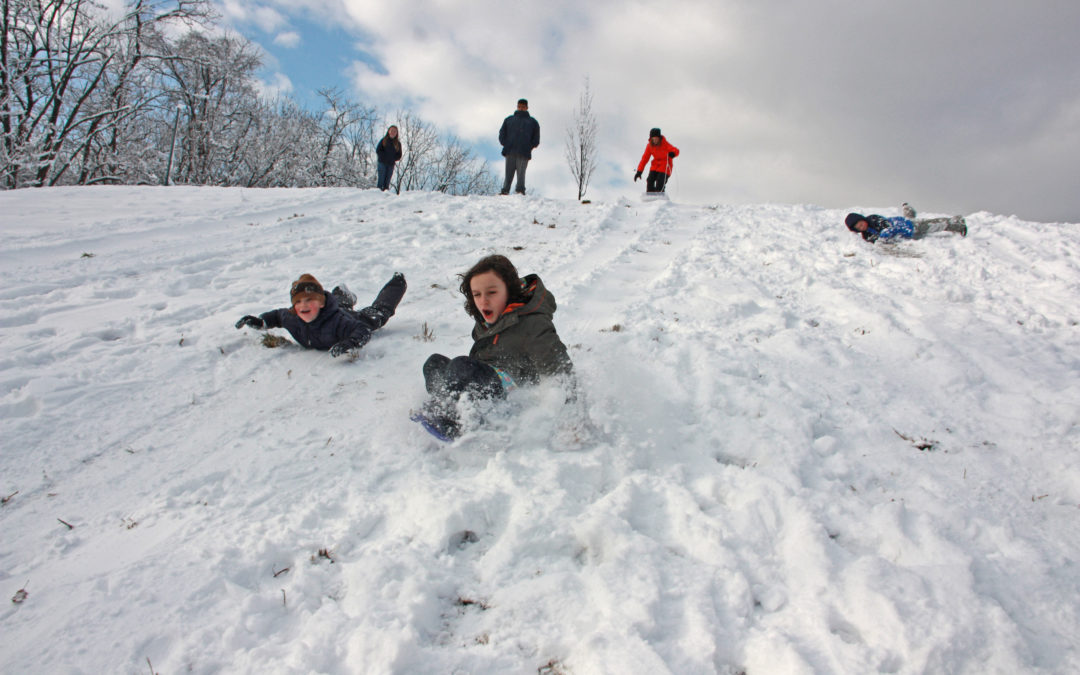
671 155
253 321
349 343
637 176
342 347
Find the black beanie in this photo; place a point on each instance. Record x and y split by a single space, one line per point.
655 131
852 219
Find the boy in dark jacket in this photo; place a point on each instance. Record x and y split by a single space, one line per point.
514 342
327 321
663 155
874 227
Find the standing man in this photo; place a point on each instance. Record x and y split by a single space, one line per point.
520 133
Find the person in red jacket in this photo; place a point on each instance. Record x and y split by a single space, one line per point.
663 154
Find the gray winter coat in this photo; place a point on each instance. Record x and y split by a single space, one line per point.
523 342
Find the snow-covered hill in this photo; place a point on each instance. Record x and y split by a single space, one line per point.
807 454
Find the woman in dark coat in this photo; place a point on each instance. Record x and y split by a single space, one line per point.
388 152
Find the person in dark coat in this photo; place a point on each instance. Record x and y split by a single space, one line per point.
519 135
514 342
388 152
663 155
874 227
328 321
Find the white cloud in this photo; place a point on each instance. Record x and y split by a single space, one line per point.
831 103
278 84
288 39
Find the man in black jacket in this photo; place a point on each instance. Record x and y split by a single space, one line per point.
520 133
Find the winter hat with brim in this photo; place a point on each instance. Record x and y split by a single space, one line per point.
306 286
655 131
852 220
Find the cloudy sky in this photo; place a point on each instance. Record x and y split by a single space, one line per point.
955 106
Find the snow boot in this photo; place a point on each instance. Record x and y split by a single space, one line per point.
958 225
908 210
386 302
344 296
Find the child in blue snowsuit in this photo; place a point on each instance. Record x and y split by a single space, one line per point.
874 227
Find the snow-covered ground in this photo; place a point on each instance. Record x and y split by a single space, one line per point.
806 454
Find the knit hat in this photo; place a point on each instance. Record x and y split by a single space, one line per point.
852 219
306 286
655 131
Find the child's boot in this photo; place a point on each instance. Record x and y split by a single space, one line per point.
908 210
344 296
957 224
387 301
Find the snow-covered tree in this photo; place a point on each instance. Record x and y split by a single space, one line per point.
581 138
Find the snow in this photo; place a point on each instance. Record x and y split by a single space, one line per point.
803 453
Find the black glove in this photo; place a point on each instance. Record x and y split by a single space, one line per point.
347 344
671 155
253 321
342 347
637 176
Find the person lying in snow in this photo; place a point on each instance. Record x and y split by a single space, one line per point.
514 342
328 321
874 227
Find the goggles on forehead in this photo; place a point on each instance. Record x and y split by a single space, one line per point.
305 287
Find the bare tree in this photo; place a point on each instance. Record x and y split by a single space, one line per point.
440 163
581 142
68 83
212 78
338 120
94 91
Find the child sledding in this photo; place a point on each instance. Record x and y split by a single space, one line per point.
875 227
514 343
330 321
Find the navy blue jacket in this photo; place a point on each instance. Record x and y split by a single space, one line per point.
387 151
333 325
520 133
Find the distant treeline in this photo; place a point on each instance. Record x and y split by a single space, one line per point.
89 96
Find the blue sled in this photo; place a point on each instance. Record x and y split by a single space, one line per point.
431 427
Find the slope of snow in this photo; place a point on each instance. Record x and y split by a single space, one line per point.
802 453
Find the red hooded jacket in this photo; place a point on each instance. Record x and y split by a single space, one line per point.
660 160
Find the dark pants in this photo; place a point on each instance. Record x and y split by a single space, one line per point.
447 378
381 309
656 181
385 172
515 164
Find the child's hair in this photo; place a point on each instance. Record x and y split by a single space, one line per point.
387 141
852 220
504 269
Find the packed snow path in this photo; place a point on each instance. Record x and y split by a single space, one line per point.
803 453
